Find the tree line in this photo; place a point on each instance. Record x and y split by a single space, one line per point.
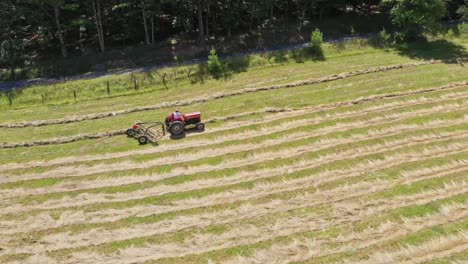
48 27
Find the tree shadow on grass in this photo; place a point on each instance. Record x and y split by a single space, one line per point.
278 57
236 65
307 54
429 50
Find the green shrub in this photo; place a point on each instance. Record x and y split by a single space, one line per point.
316 42
384 38
463 28
214 65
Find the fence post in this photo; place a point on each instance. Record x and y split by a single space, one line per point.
135 83
43 98
164 80
10 98
74 94
108 88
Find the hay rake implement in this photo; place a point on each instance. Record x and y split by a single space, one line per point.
146 132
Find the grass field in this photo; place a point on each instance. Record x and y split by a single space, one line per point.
359 158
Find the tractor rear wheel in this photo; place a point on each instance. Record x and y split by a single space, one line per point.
130 132
142 140
177 128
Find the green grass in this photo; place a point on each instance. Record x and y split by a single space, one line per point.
167 199
358 86
151 85
218 159
361 86
355 56
392 193
139 158
261 70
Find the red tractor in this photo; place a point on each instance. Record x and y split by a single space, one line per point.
177 125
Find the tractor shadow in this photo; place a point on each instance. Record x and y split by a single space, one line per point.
178 137
188 131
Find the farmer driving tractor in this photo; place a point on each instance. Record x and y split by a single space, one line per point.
176 122
177 116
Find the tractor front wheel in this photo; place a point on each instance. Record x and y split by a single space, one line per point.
176 128
142 140
200 126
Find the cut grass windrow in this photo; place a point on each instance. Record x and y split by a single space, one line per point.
243 135
352 153
85 185
217 96
248 211
440 247
307 249
231 196
249 234
184 158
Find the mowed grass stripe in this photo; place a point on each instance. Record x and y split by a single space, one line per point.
437 172
129 203
146 192
437 248
439 175
194 184
277 130
198 158
213 219
380 84
353 59
48 232
233 136
417 246
258 76
243 235
258 210
319 223
454 258
332 233
307 249
239 195
261 100
216 96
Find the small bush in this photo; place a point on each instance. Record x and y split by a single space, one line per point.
214 65
384 38
258 60
316 42
463 28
